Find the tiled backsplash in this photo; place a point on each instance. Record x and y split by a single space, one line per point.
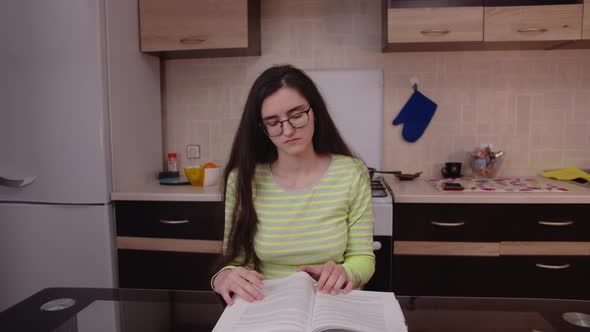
534 105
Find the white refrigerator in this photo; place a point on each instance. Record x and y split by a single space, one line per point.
72 81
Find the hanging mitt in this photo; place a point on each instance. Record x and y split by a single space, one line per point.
415 116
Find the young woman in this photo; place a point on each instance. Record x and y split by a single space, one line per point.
296 199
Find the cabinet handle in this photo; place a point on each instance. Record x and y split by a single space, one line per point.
174 222
435 32
15 183
448 224
553 267
556 223
525 30
192 40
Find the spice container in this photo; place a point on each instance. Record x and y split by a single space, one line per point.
172 162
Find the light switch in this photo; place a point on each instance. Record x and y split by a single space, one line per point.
193 151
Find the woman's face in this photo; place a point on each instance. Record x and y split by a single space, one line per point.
288 103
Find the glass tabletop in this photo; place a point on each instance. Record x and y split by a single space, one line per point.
126 310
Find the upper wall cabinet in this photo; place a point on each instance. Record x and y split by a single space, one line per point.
439 24
586 32
454 25
521 23
200 28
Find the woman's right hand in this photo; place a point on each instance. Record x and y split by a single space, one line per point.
240 281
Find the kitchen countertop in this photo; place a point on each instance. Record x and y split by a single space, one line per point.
416 191
156 192
420 191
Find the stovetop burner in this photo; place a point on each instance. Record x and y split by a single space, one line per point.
377 188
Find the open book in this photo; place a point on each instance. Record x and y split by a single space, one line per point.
291 304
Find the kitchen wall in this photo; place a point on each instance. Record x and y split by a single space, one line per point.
534 105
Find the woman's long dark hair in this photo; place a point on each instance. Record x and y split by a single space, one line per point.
252 146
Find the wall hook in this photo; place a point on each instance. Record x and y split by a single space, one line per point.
414 82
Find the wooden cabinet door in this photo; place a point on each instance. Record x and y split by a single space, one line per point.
586 30
420 25
165 270
526 23
193 24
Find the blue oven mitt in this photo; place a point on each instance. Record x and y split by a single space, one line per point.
415 115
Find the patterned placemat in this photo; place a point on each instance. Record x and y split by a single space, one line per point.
500 185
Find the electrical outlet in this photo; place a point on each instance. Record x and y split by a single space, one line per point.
193 151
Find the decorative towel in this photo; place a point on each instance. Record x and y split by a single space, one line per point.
415 116
570 173
516 185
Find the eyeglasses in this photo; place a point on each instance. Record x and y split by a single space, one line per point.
297 120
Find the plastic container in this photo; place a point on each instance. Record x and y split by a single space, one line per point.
205 175
172 162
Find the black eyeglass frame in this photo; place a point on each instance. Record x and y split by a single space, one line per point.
286 120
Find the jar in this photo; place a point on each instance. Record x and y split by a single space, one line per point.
172 162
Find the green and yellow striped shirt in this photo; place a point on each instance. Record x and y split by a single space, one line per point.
330 221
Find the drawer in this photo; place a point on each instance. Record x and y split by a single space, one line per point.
446 275
524 23
445 222
491 222
165 270
586 20
178 220
419 25
546 276
557 222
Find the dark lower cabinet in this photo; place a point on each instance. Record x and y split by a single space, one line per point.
445 275
165 270
506 276
547 276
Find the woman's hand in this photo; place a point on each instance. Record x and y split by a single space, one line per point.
331 277
239 281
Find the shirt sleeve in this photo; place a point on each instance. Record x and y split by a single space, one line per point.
359 259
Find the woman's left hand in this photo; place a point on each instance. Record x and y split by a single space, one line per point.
331 278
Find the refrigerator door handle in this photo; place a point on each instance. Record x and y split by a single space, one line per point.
15 183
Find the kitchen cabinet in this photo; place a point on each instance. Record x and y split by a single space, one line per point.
586 20
434 25
200 28
529 23
515 250
165 245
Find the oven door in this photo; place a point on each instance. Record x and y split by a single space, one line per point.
381 280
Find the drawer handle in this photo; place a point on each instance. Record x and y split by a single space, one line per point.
525 30
448 224
553 267
435 32
193 40
174 222
556 223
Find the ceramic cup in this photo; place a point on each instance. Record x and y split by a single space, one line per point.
451 170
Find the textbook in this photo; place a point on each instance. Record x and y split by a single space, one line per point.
292 304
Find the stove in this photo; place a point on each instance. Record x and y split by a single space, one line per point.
382 235
382 207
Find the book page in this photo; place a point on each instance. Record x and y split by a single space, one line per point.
358 311
287 306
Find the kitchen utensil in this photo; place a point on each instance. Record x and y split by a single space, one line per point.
372 171
407 177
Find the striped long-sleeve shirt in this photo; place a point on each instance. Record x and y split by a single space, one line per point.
329 221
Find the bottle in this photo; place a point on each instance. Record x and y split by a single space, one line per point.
172 162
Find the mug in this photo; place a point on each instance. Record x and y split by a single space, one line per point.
451 170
